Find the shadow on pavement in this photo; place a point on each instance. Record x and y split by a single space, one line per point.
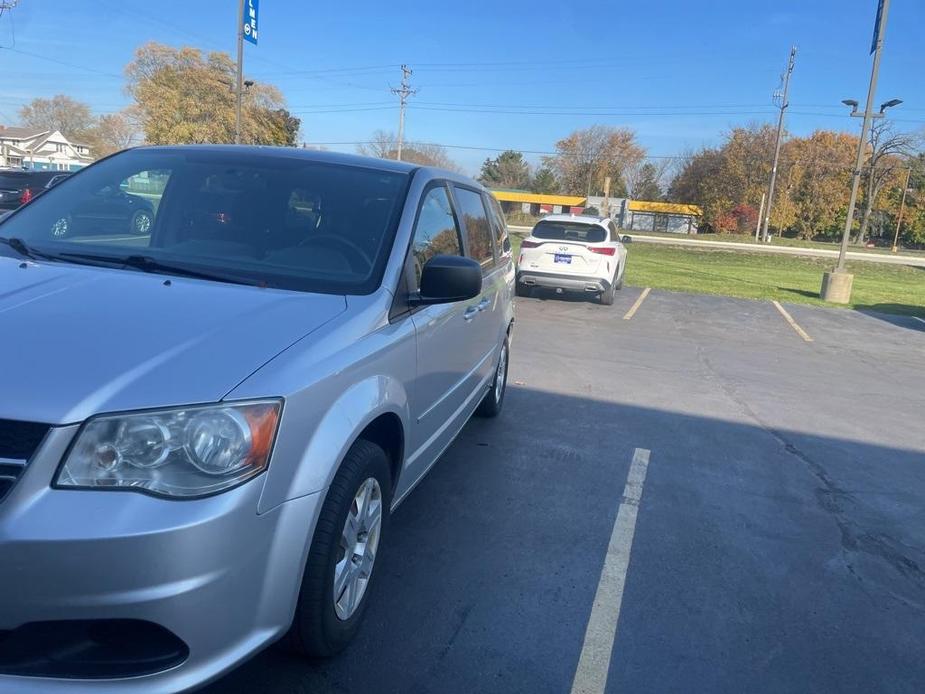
903 315
764 560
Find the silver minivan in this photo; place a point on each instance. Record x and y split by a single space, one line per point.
205 426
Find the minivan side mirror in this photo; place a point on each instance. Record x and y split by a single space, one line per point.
446 279
626 239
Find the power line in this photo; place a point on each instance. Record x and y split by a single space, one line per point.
38 56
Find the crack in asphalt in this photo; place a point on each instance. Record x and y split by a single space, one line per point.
832 499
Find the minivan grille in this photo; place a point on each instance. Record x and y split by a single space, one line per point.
18 441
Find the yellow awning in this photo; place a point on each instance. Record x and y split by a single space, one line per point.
665 208
538 199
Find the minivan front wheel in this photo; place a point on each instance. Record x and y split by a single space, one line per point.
343 555
494 398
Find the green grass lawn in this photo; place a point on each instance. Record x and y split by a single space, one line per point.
775 241
885 288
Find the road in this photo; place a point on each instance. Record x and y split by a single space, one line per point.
918 261
754 498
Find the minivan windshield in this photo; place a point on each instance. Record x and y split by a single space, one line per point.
569 231
267 218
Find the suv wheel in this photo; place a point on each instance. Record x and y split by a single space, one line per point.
494 398
606 297
341 562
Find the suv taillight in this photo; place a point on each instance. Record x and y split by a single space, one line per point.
26 196
602 250
529 244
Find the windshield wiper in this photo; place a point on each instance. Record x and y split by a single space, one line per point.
146 263
25 250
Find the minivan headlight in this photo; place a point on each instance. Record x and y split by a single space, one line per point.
181 452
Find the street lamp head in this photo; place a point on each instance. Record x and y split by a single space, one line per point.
850 102
890 104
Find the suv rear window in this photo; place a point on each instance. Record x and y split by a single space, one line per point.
13 180
569 231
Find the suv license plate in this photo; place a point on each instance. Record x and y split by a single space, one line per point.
563 258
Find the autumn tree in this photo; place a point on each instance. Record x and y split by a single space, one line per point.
643 180
818 181
886 150
384 145
72 118
912 225
586 157
75 120
727 181
544 181
507 170
113 132
184 96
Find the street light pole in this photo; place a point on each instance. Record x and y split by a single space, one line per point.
902 207
865 128
239 80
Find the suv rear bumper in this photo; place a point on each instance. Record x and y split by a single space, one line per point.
219 577
572 283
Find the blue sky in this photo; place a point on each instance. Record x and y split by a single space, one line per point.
496 74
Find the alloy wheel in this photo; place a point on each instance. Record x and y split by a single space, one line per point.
359 543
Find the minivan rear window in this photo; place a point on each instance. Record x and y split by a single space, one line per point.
569 231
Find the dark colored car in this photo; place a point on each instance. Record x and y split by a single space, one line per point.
17 187
110 211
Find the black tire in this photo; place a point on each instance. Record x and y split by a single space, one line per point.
494 399
317 631
141 222
520 289
606 296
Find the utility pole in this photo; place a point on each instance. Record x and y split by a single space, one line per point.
902 207
403 93
836 285
239 79
760 213
781 98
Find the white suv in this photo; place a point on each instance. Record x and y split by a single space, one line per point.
572 253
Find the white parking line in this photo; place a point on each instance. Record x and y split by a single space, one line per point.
793 324
594 663
635 307
920 320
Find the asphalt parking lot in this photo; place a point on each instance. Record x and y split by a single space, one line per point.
775 540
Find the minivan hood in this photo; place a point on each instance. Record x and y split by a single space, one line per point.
76 340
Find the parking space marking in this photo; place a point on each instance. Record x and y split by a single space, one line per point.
920 320
793 324
596 651
635 307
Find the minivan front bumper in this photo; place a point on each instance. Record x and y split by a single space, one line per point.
213 573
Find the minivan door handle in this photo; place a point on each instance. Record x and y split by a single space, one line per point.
470 313
483 304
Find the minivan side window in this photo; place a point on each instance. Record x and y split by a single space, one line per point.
436 232
502 242
478 231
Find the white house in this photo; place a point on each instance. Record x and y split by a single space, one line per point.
32 148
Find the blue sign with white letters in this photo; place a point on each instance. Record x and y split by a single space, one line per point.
874 41
250 20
